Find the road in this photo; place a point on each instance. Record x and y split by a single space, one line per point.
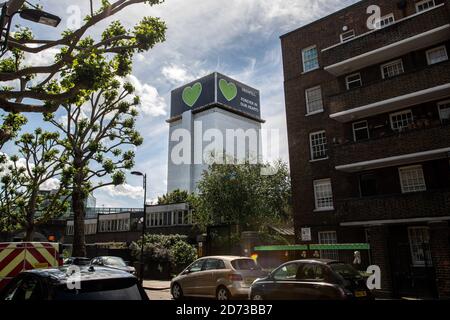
157 290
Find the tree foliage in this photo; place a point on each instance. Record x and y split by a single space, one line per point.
238 194
176 196
83 63
172 249
23 202
99 137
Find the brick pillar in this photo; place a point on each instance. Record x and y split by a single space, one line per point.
440 254
378 240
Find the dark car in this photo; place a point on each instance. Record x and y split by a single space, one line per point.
317 279
114 263
77 261
91 283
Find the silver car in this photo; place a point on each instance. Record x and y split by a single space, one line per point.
220 277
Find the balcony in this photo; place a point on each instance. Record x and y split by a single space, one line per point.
411 33
411 146
412 88
411 206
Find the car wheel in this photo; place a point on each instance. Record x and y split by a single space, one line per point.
177 292
257 297
223 294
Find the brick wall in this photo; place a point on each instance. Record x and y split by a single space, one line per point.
401 30
440 252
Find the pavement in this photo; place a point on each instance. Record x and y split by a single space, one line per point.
157 290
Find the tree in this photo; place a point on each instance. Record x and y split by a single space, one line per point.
239 194
82 64
95 137
176 196
23 202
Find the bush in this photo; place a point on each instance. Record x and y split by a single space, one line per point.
171 249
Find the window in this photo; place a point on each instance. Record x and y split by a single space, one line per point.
412 179
392 69
360 131
310 59
368 185
323 194
196 266
90 228
69 228
114 225
437 55
287 272
424 5
168 218
385 21
419 242
348 35
444 111
318 145
328 237
214 264
353 81
314 103
401 120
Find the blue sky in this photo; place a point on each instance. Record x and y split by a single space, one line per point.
239 38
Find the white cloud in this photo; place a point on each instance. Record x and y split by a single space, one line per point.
125 190
152 104
51 184
176 74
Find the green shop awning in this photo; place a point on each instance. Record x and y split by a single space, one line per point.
281 248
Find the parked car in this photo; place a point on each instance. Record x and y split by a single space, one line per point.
317 279
77 261
220 277
95 283
114 263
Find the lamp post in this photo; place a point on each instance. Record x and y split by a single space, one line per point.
144 222
34 15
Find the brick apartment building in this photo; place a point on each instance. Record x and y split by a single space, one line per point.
368 115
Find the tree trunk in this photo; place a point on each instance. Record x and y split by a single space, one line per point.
30 215
79 211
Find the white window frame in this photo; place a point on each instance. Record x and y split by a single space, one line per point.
304 61
439 105
351 75
413 243
392 115
354 130
317 183
421 177
390 64
308 112
345 39
311 145
420 3
385 18
435 49
328 254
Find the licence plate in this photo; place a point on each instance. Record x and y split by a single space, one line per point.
360 294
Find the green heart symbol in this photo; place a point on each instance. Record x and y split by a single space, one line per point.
229 90
191 94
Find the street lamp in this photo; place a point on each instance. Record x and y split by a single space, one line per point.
35 15
144 222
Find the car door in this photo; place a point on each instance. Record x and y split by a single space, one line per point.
312 283
25 288
217 273
189 282
281 283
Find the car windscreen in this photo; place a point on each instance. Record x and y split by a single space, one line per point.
345 270
111 289
114 262
245 264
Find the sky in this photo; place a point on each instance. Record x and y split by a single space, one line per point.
239 38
